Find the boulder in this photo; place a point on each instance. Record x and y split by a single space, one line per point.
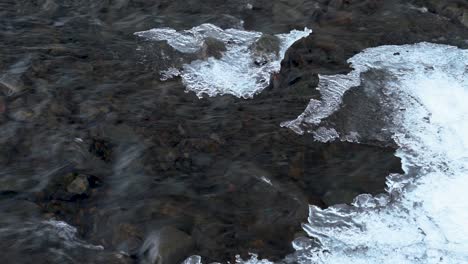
265 49
212 48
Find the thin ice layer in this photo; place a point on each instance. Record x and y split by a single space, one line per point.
424 217
235 72
332 89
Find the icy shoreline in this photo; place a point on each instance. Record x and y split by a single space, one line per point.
236 71
422 218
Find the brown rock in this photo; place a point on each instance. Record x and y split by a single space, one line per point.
296 166
341 18
295 172
79 185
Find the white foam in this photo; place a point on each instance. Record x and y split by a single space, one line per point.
235 72
424 216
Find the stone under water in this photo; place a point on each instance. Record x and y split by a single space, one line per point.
99 153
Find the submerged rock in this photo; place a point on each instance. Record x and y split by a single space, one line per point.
212 48
464 18
82 76
456 10
102 149
265 49
168 245
79 185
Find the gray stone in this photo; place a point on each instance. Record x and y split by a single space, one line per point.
267 44
213 48
265 48
464 18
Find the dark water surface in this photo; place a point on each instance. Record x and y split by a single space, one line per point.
90 136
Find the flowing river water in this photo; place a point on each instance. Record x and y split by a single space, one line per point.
301 131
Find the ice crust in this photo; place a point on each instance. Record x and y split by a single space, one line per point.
332 89
235 72
423 217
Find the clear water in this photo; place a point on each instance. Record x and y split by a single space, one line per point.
107 137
